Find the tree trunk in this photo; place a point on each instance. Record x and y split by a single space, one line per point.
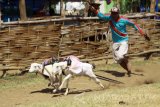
118 4
62 11
0 17
86 9
22 9
152 6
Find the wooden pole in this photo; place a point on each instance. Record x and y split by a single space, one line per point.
22 9
62 9
152 6
69 19
0 17
118 4
86 9
128 55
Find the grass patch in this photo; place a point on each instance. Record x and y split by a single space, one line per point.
145 95
11 81
134 62
142 96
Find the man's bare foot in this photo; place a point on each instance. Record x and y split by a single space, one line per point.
129 73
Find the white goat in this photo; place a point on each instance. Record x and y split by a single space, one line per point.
76 67
47 71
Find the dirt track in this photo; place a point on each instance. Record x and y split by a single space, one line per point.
112 78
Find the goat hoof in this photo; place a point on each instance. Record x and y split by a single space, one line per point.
103 87
54 91
66 94
60 88
49 84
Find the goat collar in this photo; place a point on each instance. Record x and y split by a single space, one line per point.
41 69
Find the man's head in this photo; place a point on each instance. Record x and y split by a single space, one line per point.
115 13
114 10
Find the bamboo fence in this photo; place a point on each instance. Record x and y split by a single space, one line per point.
23 43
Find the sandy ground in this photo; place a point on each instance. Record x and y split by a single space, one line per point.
114 78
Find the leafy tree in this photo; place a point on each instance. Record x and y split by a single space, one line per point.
128 6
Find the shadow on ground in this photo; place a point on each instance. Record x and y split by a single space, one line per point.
114 73
60 93
109 80
119 74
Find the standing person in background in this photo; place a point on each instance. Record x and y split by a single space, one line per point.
119 35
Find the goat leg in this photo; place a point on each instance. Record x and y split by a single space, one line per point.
67 89
64 80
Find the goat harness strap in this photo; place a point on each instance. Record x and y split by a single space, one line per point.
69 62
46 70
116 30
43 68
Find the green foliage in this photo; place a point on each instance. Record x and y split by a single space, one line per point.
55 1
129 5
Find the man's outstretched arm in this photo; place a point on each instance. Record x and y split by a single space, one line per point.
136 26
99 14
